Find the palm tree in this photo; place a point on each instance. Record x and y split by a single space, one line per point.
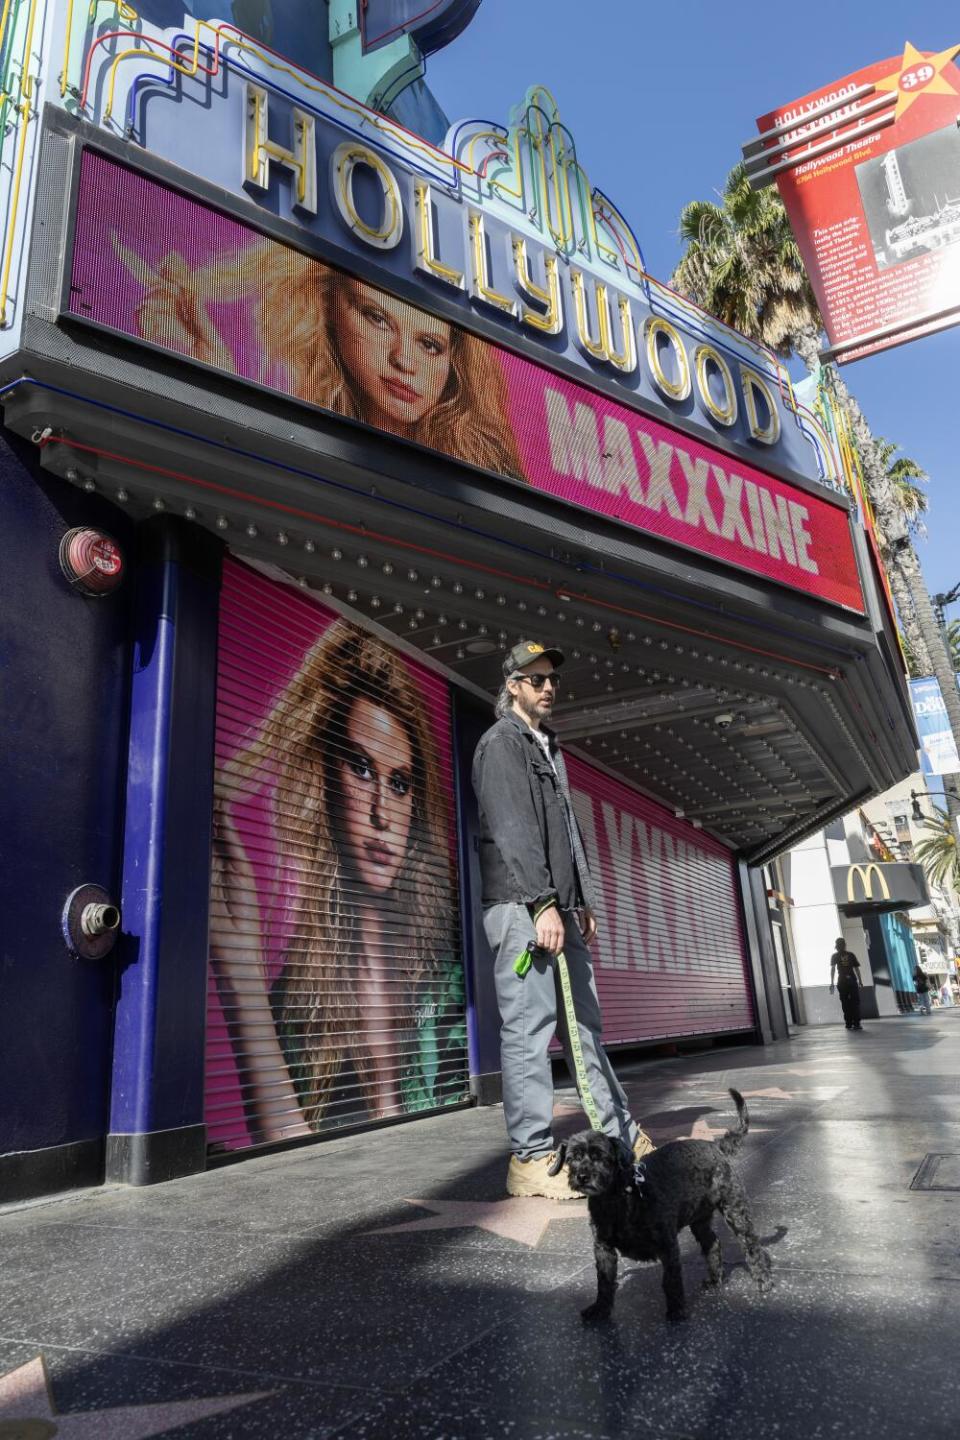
906 477
742 264
953 643
937 853
902 481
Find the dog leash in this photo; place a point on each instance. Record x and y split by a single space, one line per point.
521 965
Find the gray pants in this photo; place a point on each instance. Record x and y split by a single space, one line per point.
531 1011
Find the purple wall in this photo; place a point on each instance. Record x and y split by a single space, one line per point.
63 703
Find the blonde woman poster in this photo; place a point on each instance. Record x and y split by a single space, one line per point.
337 996
207 287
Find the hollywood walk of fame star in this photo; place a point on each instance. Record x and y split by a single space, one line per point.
522 1218
772 1092
703 1130
27 1411
803 1068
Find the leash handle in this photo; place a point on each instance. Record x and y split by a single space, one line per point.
521 965
573 1030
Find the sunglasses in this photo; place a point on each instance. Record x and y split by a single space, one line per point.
538 681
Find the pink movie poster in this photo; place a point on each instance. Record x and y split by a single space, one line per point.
154 264
670 958
336 987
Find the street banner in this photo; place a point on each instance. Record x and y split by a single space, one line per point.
871 184
939 749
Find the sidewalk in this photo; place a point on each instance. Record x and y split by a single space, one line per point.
378 1286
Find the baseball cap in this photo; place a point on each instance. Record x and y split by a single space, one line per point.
529 650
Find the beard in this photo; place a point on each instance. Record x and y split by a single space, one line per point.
527 702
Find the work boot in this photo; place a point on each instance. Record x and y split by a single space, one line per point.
643 1145
530 1177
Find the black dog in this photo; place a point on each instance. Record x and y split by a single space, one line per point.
640 1209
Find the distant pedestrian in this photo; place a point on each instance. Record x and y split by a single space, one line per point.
921 981
845 969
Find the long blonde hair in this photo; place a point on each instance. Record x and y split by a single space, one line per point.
296 304
295 751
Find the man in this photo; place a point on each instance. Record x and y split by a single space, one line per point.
922 984
537 891
846 967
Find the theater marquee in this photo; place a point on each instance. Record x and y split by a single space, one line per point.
152 263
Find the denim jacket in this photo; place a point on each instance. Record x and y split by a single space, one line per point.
526 854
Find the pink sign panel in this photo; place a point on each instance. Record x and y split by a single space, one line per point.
152 263
670 957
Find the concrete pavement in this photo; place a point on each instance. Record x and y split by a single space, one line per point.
379 1285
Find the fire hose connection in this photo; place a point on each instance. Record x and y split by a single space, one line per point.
99 919
90 923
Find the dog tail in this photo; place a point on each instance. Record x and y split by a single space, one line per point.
730 1143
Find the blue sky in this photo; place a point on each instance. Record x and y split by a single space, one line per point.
660 98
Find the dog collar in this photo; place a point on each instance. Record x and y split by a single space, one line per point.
639 1177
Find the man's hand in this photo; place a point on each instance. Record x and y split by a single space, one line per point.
550 930
588 925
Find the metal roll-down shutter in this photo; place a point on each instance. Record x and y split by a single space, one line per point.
670 955
336 992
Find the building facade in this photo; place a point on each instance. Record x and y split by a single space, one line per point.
314 404
859 879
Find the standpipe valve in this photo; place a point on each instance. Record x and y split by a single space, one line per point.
99 919
90 922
